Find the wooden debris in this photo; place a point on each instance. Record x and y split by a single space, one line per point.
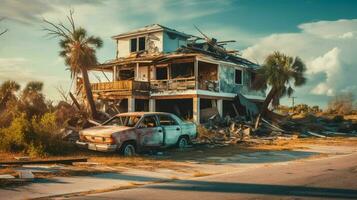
316 134
50 161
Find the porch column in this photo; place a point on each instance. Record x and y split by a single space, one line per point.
114 73
195 68
220 107
131 104
137 72
152 105
196 110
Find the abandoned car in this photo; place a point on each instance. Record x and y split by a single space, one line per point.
130 132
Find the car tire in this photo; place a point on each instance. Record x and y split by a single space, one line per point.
182 142
128 149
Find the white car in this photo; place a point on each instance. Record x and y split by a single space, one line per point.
130 132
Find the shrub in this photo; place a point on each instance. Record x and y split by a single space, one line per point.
39 136
49 136
17 135
341 104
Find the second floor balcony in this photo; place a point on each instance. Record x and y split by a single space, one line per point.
120 88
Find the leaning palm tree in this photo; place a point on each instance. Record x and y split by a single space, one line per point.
280 73
79 52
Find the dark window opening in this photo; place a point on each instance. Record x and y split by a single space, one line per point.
161 73
238 76
126 74
142 105
141 43
182 70
133 44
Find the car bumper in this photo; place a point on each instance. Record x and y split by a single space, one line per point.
97 147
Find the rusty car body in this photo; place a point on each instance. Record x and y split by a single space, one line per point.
133 131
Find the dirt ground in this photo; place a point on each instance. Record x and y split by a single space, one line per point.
174 159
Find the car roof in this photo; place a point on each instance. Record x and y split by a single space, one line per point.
142 113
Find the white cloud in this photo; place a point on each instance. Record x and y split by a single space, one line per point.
327 47
329 29
347 35
330 66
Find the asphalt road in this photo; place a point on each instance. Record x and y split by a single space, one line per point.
332 177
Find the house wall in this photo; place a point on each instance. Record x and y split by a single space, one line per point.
123 44
227 81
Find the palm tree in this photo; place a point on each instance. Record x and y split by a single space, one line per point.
79 52
7 92
279 72
32 101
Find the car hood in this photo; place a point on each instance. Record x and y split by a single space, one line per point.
104 131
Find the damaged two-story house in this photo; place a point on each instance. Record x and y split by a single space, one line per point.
160 69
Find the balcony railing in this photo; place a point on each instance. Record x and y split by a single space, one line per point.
173 84
123 87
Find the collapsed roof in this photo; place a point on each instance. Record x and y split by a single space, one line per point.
208 47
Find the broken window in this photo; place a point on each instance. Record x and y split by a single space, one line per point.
238 77
166 120
141 43
133 44
148 122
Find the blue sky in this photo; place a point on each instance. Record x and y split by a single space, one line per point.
322 32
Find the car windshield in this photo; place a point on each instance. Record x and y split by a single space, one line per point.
130 121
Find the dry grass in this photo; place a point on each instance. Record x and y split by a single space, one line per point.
351 117
200 174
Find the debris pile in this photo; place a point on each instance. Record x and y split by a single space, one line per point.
224 130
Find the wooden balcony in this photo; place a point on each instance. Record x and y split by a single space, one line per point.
173 84
117 89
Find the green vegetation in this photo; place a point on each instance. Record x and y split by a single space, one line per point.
30 124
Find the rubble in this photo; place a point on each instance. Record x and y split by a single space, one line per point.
26 174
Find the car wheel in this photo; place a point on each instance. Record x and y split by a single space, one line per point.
182 142
128 149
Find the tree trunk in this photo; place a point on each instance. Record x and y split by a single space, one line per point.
264 107
89 95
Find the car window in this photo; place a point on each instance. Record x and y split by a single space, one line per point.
148 122
166 120
130 121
